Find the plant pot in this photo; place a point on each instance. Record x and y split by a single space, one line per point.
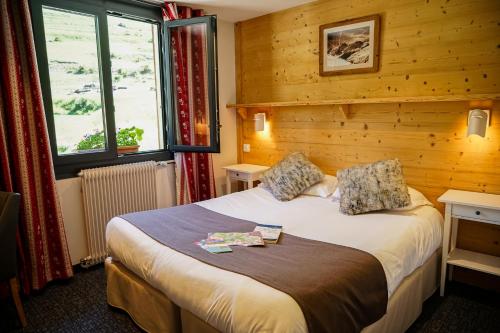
128 149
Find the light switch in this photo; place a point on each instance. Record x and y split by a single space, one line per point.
246 147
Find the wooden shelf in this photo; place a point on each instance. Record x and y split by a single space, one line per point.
414 99
474 260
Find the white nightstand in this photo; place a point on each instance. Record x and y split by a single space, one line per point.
244 172
471 206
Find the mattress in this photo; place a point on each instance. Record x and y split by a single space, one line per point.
401 241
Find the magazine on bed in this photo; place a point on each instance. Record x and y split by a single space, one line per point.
214 247
270 233
220 242
252 238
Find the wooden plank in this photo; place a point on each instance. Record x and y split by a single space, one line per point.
407 99
238 59
476 261
242 112
398 12
435 83
239 138
345 110
419 170
436 146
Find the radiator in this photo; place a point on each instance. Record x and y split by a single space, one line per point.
112 191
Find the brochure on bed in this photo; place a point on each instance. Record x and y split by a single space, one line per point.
337 287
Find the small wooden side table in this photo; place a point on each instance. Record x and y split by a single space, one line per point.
471 206
244 172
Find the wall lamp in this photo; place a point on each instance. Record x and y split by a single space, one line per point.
260 121
477 122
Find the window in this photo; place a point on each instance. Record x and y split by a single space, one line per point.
201 131
135 68
75 80
109 72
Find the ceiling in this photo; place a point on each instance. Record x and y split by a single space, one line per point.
240 10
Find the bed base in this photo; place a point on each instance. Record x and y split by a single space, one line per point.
154 312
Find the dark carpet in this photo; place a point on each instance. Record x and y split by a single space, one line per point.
79 305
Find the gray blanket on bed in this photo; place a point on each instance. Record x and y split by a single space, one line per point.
338 288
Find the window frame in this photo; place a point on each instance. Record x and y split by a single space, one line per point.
68 166
212 82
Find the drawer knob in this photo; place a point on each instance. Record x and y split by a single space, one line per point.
478 212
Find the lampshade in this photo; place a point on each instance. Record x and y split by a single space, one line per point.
477 122
260 121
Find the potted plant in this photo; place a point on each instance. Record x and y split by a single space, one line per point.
93 141
127 139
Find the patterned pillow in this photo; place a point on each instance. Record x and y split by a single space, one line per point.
371 187
291 176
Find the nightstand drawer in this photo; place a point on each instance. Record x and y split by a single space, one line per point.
476 213
237 175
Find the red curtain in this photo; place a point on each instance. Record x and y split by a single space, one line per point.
25 157
194 171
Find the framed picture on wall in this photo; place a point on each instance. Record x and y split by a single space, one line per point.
350 46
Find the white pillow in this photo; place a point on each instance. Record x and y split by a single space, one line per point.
416 197
417 200
336 195
324 188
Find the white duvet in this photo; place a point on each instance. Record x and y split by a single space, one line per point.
401 241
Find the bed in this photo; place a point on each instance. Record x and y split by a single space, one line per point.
166 291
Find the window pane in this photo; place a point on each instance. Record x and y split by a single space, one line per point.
190 73
136 83
75 81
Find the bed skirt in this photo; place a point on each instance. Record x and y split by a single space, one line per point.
154 312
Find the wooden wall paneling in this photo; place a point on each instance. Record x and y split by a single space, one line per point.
475 235
427 48
429 139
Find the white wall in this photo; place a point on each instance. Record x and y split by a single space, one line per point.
227 94
70 189
70 197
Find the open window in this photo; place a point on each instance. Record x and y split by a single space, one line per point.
109 80
192 103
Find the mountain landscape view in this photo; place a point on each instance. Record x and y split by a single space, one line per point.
348 47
